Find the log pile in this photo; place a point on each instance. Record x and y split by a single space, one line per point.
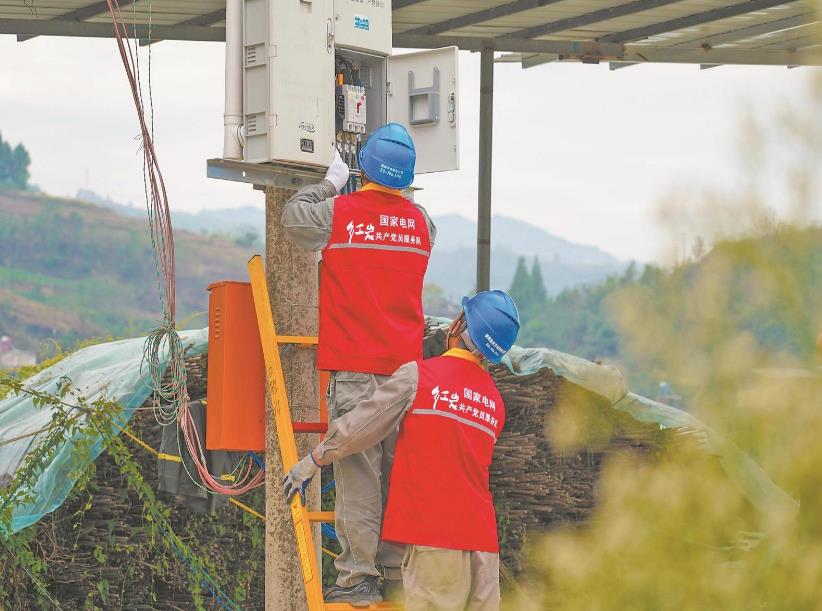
535 487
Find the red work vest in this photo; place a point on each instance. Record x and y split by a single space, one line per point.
439 494
371 284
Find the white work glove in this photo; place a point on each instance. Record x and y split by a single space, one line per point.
300 475
337 173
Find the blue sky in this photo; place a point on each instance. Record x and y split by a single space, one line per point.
581 151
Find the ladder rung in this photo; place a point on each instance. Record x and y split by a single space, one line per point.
308 340
310 427
383 606
320 516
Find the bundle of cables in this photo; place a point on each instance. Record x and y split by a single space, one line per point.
170 398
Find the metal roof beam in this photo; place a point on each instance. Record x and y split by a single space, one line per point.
740 57
495 12
81 14
751 31
796 43
565 49
398 4
207 19
691 20
90 10
620 65
538 60
53 27
637 6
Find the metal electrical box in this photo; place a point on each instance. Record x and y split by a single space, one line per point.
422 95
318 74
235 410
288 63
363 25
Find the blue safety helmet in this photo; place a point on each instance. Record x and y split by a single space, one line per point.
388 156
493 323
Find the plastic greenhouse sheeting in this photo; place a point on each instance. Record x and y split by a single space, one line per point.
608 382
111 371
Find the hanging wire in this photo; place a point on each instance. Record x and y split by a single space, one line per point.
170 397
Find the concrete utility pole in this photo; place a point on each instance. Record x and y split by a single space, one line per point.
292 283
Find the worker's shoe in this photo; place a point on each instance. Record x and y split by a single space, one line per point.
365 593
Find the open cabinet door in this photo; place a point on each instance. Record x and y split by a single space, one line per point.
422 95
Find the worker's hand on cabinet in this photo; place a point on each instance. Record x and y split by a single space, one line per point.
338 172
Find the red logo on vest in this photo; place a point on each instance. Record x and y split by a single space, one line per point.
439 492
371 316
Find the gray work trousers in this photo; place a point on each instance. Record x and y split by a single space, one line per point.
437 579
362 490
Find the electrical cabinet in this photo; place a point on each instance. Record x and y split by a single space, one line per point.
235 410
318 75
363 25
422 95
288 63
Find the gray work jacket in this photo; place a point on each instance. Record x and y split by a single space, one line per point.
309 214
373 419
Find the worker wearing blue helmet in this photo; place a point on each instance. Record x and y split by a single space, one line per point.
450 415
388 157
375 247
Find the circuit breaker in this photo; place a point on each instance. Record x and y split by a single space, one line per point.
319 75
352 108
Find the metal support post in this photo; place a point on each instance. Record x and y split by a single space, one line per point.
486 128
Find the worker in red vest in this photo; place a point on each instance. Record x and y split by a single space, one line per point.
375 247
439 504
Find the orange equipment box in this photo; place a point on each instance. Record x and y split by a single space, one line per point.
235 413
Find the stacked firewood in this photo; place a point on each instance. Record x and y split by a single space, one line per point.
535 486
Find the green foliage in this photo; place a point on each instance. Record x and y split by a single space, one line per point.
538 293
80 422
768 285
528 288
579 321
674 532
249 238
14 166
521 284
734 332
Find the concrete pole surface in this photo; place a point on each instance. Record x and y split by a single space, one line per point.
292 283
486 129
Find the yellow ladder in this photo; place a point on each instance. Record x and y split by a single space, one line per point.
302 518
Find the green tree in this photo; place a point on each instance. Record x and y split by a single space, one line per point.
14 166
539 296
521 286
248 238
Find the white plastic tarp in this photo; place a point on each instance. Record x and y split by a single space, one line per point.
111 371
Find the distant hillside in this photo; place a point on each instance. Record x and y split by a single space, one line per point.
762 290
235 222
459 232
564 264
71 270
